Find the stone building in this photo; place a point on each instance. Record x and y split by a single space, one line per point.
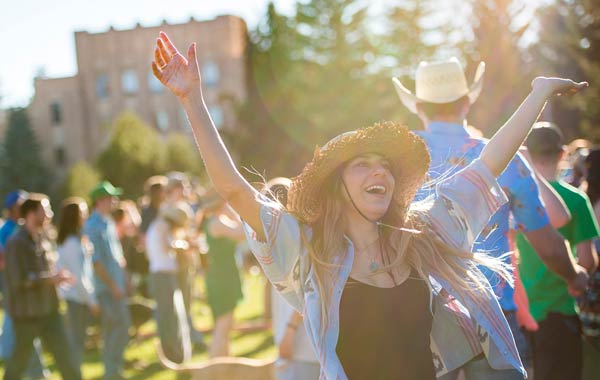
72 116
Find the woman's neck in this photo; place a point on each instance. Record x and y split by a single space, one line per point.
362 232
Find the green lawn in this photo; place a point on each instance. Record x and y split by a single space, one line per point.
256 344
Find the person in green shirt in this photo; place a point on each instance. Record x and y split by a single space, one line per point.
557 344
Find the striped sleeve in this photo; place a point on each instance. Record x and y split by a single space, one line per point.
464 203
279 255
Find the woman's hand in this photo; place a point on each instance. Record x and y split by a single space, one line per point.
178 74
557 86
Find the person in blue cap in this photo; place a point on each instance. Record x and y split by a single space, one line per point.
12 205
110 278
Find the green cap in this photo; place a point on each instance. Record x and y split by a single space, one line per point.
104 189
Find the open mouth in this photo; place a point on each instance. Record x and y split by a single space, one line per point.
376 189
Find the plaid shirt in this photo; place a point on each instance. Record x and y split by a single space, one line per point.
28 267
460 209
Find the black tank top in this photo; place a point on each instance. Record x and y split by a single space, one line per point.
384 332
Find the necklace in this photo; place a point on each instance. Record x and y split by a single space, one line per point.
373 265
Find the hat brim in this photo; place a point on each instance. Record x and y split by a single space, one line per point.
406 152
410 100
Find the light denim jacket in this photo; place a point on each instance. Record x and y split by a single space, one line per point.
462 205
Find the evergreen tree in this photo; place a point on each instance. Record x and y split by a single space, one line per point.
569 45
497 30
408 39
341 91
269 118
21 166
135 152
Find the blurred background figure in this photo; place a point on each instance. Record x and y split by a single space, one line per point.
155 195
127 223
223 281
179 190
36 368
110 278
165 239
75 255
32 281
557 344
296 360
590 304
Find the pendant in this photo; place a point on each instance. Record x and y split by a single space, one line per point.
373 266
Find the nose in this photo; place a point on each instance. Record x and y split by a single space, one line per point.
379 171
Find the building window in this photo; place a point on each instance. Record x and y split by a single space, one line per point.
210 74
162 120
216 114
129 81
56 113
60 156
154 84
102 86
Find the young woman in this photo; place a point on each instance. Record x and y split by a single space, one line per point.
354 255
223 280
75 255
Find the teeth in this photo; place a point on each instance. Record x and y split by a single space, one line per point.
376 189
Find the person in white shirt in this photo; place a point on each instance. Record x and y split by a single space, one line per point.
164 241
75 256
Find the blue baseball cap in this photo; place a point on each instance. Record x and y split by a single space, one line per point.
15 197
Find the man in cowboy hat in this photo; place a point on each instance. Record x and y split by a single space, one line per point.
442 101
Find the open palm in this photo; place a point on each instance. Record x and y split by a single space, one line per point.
559 86
178 73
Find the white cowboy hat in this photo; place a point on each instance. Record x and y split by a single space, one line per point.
440 82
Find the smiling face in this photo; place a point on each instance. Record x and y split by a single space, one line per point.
370 182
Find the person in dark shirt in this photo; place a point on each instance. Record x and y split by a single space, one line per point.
155 189
32 297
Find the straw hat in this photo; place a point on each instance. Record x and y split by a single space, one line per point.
405 151
440 82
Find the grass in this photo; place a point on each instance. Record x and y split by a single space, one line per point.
254 344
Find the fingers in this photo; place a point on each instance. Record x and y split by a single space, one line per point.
171 49
162 50
157 71
192 54
158 58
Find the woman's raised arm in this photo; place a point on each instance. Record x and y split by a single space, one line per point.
182 77
505 143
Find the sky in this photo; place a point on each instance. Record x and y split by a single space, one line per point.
37 35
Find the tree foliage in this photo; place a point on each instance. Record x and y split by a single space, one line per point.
182 155
134 153
498 27
21 165
80 180
569 45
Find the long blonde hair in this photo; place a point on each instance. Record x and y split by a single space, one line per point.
426 252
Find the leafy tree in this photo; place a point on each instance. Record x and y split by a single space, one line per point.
135 152
80 180
498 28
409 38
569 45
21 166
182 155
269 119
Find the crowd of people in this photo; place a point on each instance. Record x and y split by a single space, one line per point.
102 261
392 255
